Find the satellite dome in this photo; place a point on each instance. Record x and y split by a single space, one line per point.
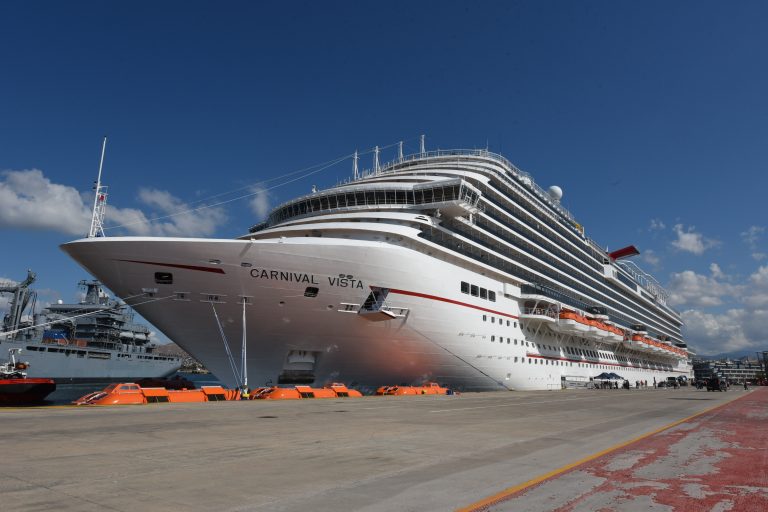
555 192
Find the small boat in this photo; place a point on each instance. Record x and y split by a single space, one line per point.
16 388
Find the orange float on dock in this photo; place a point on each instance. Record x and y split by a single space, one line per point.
129 393
430 388
335 390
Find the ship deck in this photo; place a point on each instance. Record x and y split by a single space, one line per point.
474 452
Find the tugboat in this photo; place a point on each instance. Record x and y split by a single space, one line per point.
16 388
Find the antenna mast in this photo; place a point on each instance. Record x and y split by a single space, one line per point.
400 151
421 145
356 172
100 201
376 160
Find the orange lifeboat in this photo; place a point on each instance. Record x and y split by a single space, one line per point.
430 388
129 393
572 322
335 390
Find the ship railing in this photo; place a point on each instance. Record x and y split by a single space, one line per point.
540 312
645 280
523 177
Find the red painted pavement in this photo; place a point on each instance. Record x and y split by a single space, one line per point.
717 461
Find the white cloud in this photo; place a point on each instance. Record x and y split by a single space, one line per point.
260 202
29 200
176 217
717 273
649 256
758 285
752 235
688 288
759 256
690 241
737 328
712 334
657 225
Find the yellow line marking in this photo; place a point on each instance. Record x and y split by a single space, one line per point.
499 496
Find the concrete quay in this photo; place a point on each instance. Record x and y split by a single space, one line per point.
478 451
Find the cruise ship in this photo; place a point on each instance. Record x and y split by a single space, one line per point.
448 266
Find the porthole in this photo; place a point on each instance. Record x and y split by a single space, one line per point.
311 291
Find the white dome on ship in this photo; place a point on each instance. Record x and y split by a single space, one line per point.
555 192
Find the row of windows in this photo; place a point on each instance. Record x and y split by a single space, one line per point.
493 321
576 351
417 195
476 291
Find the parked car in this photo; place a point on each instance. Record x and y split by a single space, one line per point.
717 384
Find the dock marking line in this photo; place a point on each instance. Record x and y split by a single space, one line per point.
500 496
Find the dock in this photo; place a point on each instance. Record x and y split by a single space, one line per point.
535 451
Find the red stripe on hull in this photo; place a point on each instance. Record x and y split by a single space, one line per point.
176 265
450 301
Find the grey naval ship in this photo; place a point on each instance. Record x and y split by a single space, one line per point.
95 339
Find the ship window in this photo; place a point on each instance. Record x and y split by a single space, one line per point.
464 287
484 318
507 323
493 319
311 291
515 324
483 293
163 278
475 290
493 338
491 296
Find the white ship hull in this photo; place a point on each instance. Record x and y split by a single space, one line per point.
433 331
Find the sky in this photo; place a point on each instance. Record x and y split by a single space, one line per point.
651 116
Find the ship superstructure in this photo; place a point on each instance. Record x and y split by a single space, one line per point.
95 339
452 266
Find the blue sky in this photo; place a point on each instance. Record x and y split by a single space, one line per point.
652 117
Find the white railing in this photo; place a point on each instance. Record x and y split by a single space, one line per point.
540 312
